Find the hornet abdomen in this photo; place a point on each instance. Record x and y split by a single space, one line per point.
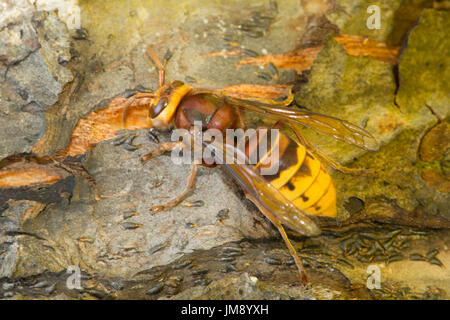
299 176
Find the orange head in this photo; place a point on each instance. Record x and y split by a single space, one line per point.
165 103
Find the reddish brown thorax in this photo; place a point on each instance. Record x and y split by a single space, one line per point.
219 116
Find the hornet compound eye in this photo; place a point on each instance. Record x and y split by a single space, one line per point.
155 110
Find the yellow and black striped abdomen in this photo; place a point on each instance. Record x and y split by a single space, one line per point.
300 177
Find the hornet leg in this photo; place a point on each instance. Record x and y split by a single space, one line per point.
175 201
159 150
169 146
292 251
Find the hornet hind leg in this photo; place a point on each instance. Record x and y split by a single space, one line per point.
292 251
